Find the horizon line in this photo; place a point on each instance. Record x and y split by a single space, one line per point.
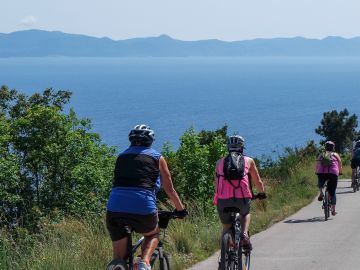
170 37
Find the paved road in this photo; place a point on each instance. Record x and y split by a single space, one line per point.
306 241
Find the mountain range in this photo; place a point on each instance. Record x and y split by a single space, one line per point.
39 43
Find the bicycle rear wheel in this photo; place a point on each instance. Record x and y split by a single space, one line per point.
161 263
226 259
355 184
326 205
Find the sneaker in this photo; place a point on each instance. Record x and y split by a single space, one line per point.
144 266
321 197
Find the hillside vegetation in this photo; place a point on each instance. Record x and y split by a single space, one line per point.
55 177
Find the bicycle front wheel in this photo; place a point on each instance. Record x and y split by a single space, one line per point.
244 262
226 259
161 263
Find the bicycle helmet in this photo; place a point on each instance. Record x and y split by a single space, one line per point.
141 134
235 143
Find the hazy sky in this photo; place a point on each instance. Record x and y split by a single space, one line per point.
186 19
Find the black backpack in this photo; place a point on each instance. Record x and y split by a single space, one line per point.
234 169
234 166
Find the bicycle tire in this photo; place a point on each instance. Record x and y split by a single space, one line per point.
355 185
326 205
116 265
225 263
161 264
245 261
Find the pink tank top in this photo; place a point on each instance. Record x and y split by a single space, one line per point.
333 169
225 190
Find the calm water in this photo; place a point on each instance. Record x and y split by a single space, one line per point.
272 102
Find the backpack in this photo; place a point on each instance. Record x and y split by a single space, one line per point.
357 151
234 166
326 159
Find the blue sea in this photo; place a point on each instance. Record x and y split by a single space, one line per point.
274 102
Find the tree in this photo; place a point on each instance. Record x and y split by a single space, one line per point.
339 127
193 164
51 162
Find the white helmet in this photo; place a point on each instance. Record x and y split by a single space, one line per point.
235 143
142 134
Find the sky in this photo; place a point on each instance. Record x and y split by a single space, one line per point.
185 19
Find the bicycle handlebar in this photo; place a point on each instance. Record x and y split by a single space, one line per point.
260 196
165 216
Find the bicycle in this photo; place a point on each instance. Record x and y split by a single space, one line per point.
326 205
233 255
159 259
356 180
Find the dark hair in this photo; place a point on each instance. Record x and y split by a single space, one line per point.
140 143
329 147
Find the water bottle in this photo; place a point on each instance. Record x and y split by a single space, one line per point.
136 262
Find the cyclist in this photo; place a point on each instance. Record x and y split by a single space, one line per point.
237 193
329 173
355 157
132 200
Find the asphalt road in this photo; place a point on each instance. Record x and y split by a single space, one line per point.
306 241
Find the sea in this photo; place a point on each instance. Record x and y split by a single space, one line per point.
273 102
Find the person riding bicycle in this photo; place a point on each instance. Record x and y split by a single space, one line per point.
132 201
237 192
355 157
328 168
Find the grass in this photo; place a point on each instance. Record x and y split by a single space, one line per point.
73 244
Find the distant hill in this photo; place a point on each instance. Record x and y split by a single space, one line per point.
38 43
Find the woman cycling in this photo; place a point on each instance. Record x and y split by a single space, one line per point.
236 192
329 171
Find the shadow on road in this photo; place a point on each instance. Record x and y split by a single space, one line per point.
344 192
314 219
343 187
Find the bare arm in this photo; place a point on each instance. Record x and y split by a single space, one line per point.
168 185
255 176
215 176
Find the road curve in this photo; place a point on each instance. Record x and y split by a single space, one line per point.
306 241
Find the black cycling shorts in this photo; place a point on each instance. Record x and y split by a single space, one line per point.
355 162
116 222
242 204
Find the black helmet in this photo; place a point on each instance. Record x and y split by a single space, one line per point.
235 143
142 134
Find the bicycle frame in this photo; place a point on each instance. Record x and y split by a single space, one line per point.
234 257
164 218
159 251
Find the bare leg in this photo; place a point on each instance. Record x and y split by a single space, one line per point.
149 245
245 224
226 227
120 248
